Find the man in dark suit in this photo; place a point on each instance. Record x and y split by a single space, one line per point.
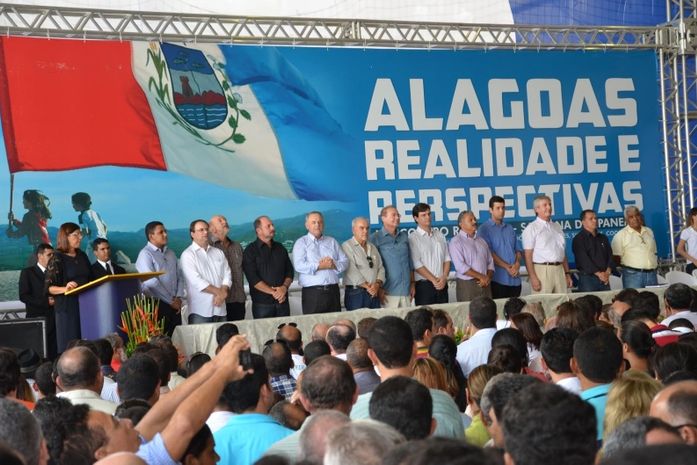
103 266
32 291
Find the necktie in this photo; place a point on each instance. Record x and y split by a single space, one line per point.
109 270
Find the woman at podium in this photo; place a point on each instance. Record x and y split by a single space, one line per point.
68 269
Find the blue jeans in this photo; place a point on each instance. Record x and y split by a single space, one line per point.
195 319
638 279
359 298
591 283
270 310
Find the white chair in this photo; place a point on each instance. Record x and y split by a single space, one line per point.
674 277
615 283
661 280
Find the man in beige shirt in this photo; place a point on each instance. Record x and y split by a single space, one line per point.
634 248
366 273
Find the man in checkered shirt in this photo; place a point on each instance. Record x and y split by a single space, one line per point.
279 361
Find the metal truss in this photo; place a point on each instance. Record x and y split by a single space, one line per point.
679 114
126 25
675 44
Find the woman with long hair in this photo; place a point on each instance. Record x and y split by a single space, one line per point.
637 344
528 326
35 220
687 246
444 349
68 269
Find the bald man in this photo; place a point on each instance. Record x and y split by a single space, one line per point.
676 404
218 230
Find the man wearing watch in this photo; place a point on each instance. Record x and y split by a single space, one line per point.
545 251
269 272
365 273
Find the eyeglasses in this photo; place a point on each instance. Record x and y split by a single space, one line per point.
294 325
370 261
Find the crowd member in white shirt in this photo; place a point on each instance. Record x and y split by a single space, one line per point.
545 251
430 259
687 247
678 302
208 277
475 350
557 348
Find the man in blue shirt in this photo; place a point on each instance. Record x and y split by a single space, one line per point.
246 436
169 287
596 362
393 246
319 260
505 249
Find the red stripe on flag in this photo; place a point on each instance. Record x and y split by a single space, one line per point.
70 104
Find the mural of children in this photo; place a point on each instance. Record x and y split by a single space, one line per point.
91 224
34 221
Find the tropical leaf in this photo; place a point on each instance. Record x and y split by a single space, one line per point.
245 114
238 138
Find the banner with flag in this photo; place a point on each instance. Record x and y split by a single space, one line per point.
177 132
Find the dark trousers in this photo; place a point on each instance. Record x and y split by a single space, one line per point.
501 291
321 299
235 311
357 297
270 310
426 294
171 316
590 283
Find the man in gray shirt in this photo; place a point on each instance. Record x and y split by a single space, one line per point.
365 273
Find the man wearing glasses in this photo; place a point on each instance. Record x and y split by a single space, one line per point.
365 274
218 230
675 405
430 259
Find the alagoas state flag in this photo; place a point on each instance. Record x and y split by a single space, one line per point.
237 116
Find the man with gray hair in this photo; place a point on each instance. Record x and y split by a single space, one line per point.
313 438
319 260
327 383
496 393
473 262
678 303
21 432
361 442
676 404
218 230
634 248
639 432
545 251
365 273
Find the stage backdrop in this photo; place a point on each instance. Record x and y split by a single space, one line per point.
163 131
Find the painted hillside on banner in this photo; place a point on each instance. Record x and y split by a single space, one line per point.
174 133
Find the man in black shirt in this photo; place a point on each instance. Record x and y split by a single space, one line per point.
593 255
269 272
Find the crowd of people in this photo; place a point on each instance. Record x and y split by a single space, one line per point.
575 384
389 268
590 383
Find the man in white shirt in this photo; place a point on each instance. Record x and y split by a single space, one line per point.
474 351
80 379
678 300
557 348
430 259
208 277
545 251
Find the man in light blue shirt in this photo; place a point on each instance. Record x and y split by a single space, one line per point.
248 435
393 246
596 362
169 287
505 250
319 261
